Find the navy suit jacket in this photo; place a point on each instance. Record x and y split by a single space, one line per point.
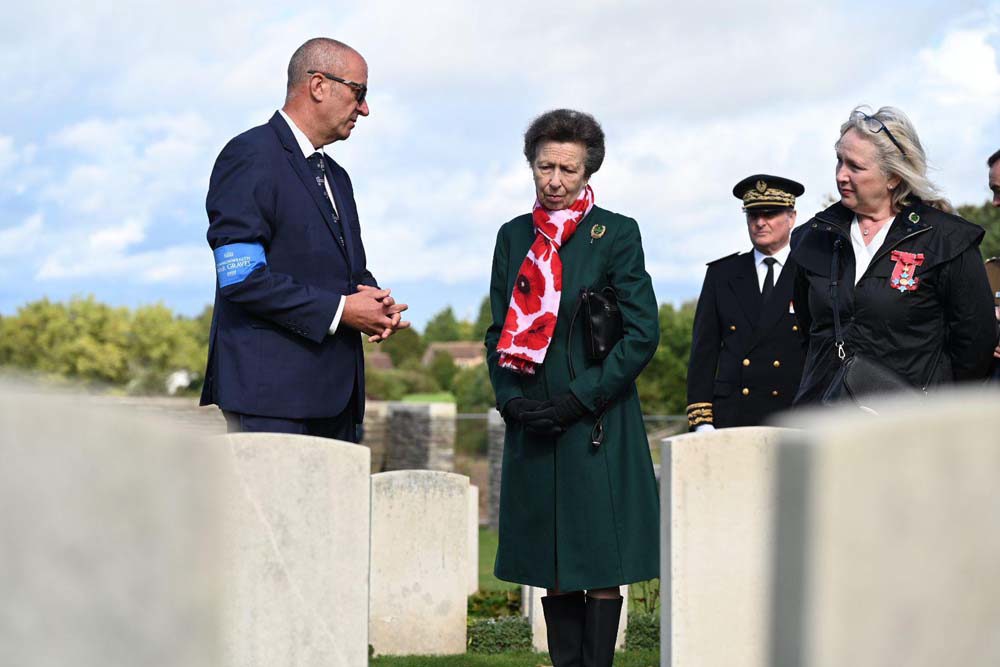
270 352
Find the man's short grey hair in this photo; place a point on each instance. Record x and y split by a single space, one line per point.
319 53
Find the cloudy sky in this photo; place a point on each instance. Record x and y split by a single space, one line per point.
113 116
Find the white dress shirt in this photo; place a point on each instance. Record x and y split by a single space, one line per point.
307 150
758 257
863 253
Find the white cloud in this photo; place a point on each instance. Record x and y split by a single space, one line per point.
20 239
693 97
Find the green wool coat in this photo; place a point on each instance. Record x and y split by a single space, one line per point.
573 516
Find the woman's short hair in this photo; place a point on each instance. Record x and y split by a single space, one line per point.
567 126
906 160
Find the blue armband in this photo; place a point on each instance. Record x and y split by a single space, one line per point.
236 261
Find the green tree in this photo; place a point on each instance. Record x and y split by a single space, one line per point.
483 320
472 389
404 345
443 327
443 369
988 217
663 383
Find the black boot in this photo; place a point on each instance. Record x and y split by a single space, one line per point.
600 631
564 627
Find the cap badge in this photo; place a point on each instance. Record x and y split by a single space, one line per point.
761 186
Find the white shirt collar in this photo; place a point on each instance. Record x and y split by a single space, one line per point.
781 256
300 137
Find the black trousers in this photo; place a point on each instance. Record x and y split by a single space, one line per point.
342 427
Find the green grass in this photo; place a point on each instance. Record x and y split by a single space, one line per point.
622 659
487 554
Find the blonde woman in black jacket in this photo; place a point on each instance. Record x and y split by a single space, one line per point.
908 280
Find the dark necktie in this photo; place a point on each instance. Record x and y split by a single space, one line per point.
765 291
318 166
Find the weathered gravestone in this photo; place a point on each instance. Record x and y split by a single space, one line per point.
419 567
421 437
473 539
296 578
531 607
889 536
496 431
110 533
376 432
717 544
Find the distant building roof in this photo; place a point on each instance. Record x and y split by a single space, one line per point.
465 353
378 360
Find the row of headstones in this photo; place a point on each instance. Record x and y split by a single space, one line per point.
840 539
129 541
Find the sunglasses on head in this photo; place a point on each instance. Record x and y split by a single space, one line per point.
875 126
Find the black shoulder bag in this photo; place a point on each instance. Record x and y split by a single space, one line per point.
602 329
859 378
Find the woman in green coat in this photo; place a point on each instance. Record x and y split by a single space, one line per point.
575 516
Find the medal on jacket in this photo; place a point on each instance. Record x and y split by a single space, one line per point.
902 274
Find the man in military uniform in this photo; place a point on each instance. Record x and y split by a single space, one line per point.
746 350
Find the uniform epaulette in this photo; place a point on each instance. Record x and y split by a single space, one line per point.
716 261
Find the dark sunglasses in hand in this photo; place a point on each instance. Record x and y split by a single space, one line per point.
360 89
875 126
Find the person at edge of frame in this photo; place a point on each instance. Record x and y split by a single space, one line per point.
993 263
746 351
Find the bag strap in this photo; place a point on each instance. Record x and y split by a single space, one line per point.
596 433
838 334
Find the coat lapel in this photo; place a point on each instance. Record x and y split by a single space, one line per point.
338 200
744 285
778 304
301 168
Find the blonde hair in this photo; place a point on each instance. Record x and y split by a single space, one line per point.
911 168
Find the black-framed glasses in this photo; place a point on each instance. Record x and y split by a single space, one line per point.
875 126
360 89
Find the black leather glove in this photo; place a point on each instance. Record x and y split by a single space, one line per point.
554 416
516 407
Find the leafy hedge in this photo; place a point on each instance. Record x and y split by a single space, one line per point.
643 631
499 635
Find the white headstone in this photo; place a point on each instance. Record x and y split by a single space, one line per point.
889 536
473 539
717 541
531 607
298 550
110 528
419 571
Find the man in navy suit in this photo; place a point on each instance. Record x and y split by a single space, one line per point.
294 293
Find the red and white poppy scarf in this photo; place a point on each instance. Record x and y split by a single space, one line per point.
534 304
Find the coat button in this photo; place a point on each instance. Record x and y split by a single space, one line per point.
777 364
746 362
774 393
746 392
795 327
732 327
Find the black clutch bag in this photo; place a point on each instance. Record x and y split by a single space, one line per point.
602 321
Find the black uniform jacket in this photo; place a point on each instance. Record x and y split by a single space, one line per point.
950 310
746 357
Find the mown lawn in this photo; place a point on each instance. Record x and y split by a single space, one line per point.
630 659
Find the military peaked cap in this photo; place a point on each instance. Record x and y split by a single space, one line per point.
762 191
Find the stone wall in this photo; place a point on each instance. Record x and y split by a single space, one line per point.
421 437
376 433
